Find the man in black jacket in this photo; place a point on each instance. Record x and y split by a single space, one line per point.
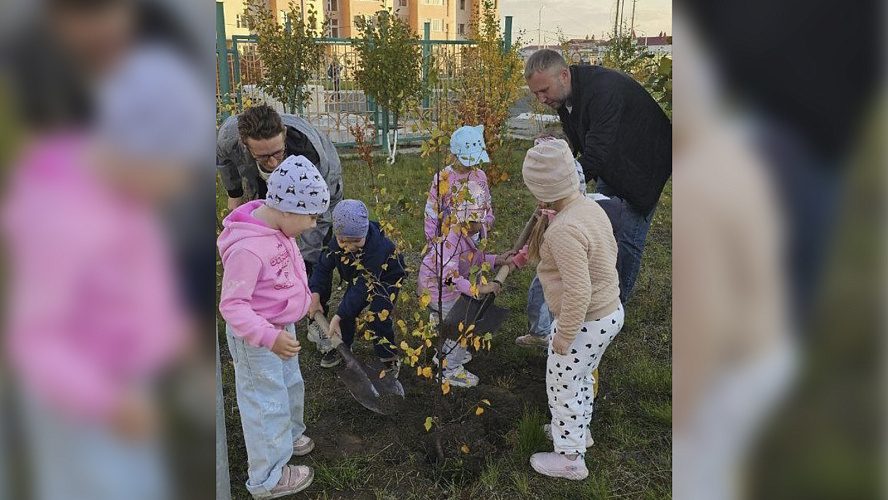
623 137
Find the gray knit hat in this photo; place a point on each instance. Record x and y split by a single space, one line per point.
550 172
297 187
350 219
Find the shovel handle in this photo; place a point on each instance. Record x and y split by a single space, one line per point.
525 233
321 320
502 274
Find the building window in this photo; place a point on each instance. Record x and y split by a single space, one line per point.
436 24
238 21
433 2
461 29
402 3
462 4
334 28
284 17
332 5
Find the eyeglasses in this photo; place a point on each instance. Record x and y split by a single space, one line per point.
278 155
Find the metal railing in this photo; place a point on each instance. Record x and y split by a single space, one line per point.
335 102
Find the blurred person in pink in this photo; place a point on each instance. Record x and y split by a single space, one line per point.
264 292
93 316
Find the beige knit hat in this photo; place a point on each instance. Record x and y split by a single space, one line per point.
549 171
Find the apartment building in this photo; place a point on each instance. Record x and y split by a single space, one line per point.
449 19
236 22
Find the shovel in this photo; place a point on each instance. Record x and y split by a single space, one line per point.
362 381
486 317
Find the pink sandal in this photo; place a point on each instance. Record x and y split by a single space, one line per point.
294 479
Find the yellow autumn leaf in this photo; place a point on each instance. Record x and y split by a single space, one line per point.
479 411
383 315
461 326
445 387
418 371
424 300
392 297
464 449
428 424
474 291
483 280
428 343
427 372
402 325
477 344
485 401
463 343
381 373
404 346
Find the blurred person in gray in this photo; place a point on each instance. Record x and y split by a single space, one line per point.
733 353
95 318
623 139
251 145
54 53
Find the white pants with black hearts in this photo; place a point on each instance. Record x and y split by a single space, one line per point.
569 382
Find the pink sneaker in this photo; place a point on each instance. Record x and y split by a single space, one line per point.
294 479
557 465
303 446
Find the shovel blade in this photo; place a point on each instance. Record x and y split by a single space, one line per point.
388 384
360 388
469 311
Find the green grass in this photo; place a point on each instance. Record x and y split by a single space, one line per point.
363 455
531 437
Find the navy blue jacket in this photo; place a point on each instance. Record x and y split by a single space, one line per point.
377 257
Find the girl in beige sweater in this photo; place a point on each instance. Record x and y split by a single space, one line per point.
577 258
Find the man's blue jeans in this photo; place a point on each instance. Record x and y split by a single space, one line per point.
634 227
538 314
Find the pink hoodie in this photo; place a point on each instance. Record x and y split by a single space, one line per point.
265 286
459 255
93 311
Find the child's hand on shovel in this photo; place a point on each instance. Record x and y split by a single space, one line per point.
285 345
491 287
315 305
335 329
503 258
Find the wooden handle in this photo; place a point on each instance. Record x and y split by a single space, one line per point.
502 274
525 233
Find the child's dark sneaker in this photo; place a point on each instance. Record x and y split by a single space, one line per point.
331 359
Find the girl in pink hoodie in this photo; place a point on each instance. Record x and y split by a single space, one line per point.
264 292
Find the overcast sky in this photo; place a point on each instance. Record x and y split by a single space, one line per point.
577 18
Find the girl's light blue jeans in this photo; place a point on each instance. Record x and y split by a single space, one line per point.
271 400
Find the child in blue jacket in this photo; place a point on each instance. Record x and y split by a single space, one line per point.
367 261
